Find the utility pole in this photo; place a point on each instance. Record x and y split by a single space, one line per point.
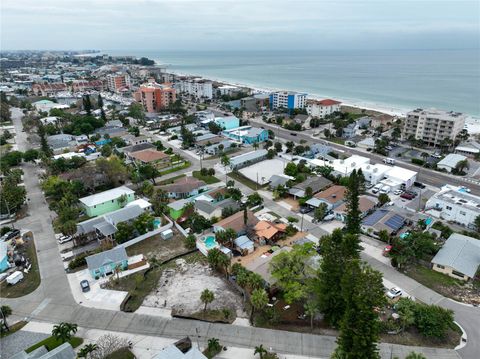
301 225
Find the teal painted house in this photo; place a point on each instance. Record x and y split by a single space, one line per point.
108 201
3 257
104 263
247 134
228 122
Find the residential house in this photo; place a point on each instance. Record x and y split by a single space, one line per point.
244 245
450 162
210 210
47 105
368 142
51 120
173 352
383 120
207 140
365 204
63 351
454 204
322 108
152 157
352 128
469 149
178 129
315 183
227 122
254 103
459 257
279 180
237 223
382 220
247 134
4 265
267 231
107 262
247 159
214 149
135 148
131 140
61 142
111 131
107 201
332 197
105 226
184 187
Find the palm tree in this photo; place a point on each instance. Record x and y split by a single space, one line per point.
224 262
5 311
87 349
461 165
259 300
207 297
311 309
63 332
260 350
425 155
255 145
225 161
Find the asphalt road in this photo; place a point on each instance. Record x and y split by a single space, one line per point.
433 178
53 301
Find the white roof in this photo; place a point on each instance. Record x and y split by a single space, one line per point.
142 203
451 160
467 149
69 155
401 173
102 197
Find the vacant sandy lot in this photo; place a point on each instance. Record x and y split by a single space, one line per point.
180 289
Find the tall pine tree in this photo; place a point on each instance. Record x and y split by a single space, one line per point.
87 104
362 293
337 250
354 188
100 106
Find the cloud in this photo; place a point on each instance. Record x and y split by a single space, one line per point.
230 24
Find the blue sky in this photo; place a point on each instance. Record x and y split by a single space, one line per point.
239 25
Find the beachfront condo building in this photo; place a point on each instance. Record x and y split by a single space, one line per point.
433 126
118 81
288 100
196 87
155 97
322 108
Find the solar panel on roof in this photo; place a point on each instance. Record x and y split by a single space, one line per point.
374 217
395 222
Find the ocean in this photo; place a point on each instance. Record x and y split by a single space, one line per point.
396 80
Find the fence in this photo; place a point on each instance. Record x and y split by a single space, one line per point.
148 234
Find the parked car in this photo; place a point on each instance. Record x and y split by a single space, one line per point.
389 161
64 239
436 155
389 148
292 134
328 217
377 188
394 293
9 235
419 185
385 189
407 195
85 286
368 185
387 250
465 189
306 209
398 192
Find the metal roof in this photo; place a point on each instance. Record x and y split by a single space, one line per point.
249 156
462 253
105 196
243 242
115 255
451 160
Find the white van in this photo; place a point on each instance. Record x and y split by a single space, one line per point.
15 277
389 161
385 189
377 188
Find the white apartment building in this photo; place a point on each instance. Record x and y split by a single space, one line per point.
118 81
454 204
432 126
198 88
322 108
287 99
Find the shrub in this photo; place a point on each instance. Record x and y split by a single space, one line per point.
417 161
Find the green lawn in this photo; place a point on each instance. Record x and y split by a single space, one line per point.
340 141
51 343
31 280
240 178
123 353
206 179
186 164
13 328
170 180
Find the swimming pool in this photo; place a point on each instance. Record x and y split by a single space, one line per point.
210 242
157 223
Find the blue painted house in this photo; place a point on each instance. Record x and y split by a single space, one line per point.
227 122
104 263
247 134
3 257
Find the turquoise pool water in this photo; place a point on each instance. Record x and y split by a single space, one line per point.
428 221
210 242
404 235
157 223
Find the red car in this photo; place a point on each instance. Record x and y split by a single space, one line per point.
387 250
407 195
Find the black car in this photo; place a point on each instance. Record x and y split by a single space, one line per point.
12 234
292 134
419 185
85 285
306 209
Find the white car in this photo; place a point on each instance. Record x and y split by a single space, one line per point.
394 293
385 189
64 239
328 217
398 191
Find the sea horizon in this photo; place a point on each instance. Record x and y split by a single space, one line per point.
393 81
